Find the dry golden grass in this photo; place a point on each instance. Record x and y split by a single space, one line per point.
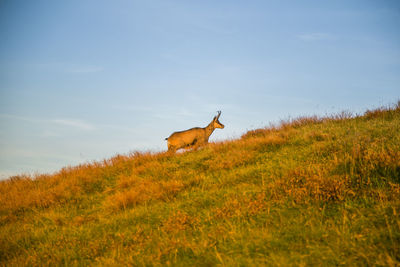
134 190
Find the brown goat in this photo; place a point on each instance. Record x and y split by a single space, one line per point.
194 137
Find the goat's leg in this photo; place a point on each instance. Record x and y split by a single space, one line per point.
171 149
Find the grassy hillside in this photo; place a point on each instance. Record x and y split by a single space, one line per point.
311 191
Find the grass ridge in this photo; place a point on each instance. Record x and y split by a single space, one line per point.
307 191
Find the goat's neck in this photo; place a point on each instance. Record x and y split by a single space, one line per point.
209 129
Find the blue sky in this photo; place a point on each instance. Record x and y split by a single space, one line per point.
85 80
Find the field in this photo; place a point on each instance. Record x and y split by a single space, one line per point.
308 191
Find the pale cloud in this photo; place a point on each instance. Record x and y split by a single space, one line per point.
138 108
64 67
27 161
86 69
74 123
48 133
316 36
16 117
119 128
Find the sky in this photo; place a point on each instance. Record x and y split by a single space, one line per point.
85 80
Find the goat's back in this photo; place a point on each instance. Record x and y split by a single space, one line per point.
186 137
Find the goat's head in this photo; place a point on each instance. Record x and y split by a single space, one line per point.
216 122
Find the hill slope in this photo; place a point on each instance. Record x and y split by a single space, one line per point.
309 191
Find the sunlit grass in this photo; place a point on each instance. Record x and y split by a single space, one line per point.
308 191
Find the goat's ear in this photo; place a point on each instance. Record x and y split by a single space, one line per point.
215 117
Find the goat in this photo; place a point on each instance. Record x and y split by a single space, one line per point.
193 137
